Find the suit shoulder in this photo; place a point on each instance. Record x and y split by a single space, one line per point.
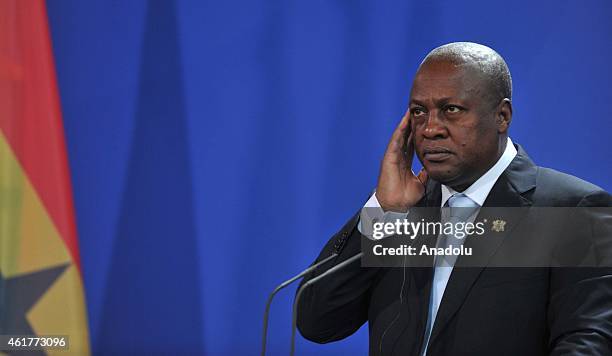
554 188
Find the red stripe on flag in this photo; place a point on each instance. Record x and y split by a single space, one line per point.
30 115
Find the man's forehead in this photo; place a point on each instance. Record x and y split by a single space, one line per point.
445 71
445 79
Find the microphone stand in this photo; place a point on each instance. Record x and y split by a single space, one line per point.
330 271
278 289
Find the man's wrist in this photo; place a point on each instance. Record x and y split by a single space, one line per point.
372 213
385 207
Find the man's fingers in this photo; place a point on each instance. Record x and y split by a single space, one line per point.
398 138
400 130
407 146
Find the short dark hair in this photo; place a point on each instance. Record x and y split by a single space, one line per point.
485 60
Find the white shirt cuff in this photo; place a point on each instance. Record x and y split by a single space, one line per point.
372 213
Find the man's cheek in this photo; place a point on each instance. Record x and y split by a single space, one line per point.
417 138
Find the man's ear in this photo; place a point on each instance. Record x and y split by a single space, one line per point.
504 115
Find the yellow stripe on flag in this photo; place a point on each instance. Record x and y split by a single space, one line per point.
29 242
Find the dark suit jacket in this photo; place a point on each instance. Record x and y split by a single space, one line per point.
484 310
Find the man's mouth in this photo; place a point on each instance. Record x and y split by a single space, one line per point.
436 154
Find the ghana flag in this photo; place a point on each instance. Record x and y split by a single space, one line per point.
41 286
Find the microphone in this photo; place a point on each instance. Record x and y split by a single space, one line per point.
330 271
278 289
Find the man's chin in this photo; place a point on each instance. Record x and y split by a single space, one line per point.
443 175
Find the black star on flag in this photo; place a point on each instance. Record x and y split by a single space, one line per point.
18 295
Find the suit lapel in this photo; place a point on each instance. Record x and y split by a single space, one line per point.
423 276
508 191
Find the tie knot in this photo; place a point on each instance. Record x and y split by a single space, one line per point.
460 200
461 206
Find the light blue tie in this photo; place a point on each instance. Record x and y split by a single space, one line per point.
461 209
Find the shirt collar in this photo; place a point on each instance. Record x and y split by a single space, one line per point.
480 189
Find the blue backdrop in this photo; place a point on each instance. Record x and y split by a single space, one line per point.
216 145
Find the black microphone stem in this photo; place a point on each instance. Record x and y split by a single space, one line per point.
337 267
278 289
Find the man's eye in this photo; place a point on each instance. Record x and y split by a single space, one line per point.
452 109
417 112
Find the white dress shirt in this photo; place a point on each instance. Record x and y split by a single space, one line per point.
477 192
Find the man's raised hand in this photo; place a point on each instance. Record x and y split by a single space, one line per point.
398 187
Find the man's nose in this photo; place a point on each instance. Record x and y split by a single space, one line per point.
434 127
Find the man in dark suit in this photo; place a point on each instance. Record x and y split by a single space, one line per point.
457 123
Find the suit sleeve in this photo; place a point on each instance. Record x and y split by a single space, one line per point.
337 306
580 308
